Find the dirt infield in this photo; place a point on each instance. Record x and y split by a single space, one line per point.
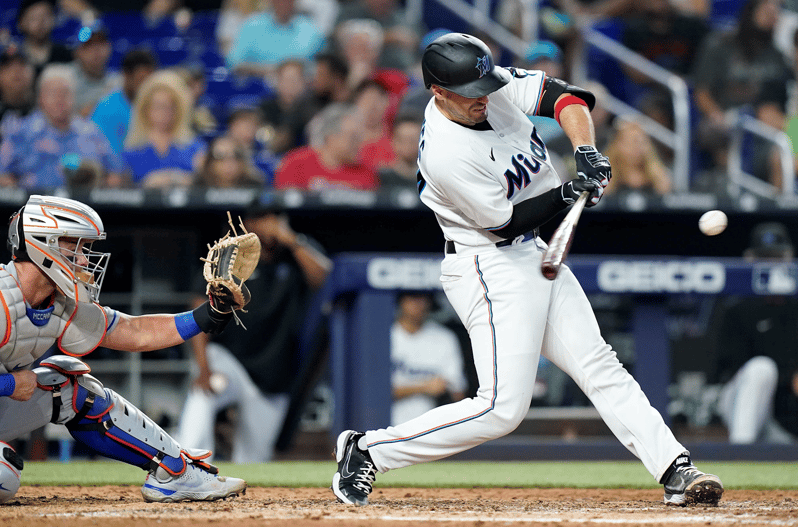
284 507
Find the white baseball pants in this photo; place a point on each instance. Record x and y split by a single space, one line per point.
513 314
746 404
260 418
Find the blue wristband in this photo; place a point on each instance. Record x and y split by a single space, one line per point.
186 325
7 384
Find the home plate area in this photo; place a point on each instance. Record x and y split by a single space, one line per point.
117 506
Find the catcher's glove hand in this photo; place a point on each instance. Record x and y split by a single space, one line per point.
230 261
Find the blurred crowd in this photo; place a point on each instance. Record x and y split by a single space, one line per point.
327 94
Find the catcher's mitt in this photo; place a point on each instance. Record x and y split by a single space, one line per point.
230 261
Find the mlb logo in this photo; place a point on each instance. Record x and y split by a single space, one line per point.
775 279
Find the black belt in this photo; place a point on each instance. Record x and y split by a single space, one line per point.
450 249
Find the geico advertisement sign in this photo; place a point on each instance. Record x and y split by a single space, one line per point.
404 273
618 276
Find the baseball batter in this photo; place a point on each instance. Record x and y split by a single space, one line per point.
48 296
487 176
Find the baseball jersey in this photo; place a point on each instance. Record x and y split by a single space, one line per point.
432 351
470 177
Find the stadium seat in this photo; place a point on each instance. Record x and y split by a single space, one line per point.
723 13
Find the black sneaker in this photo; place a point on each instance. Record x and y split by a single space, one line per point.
686 485
356 472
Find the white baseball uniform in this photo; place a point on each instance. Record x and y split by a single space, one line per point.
432 351
471 179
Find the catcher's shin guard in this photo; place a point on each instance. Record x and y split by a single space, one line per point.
105 421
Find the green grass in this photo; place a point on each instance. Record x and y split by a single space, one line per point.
627 474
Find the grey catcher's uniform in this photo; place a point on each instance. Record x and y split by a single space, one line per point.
51 238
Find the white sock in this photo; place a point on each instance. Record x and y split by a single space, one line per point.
361 444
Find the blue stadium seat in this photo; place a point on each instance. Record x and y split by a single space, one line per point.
65 30
227 91
203 25
724 13
603 67
172 51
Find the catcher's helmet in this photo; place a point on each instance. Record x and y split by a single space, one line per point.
462 64
33 235
10 467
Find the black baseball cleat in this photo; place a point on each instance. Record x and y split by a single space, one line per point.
356 472
686 485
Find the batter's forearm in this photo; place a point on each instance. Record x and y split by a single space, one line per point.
577 124
532 213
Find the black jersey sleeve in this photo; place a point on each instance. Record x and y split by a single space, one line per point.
532 213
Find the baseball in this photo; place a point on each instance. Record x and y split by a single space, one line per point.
713 222
218 382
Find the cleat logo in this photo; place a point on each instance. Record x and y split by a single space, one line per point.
483 65
345 469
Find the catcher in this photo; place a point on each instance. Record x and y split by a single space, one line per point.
49 293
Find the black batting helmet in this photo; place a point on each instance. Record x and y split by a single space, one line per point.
462 64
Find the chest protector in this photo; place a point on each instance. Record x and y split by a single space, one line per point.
26 333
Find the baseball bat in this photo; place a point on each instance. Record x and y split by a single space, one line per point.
561 239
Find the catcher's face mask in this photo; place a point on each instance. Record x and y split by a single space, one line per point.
56 234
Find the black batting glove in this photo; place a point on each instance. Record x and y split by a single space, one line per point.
571 191
591 164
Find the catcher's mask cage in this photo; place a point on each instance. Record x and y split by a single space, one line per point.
462 64
35 234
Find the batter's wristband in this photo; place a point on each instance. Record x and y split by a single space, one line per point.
7 384
186 325
568 100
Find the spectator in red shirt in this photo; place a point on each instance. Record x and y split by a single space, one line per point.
331 160
372 101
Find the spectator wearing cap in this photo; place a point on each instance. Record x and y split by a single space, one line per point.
245 128
269 38
757 342
16 89
331 161
94 80
54 147
35 22
112 113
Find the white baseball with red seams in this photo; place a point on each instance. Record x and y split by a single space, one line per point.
471 179
713 222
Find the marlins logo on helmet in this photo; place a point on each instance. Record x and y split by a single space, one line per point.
483 65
